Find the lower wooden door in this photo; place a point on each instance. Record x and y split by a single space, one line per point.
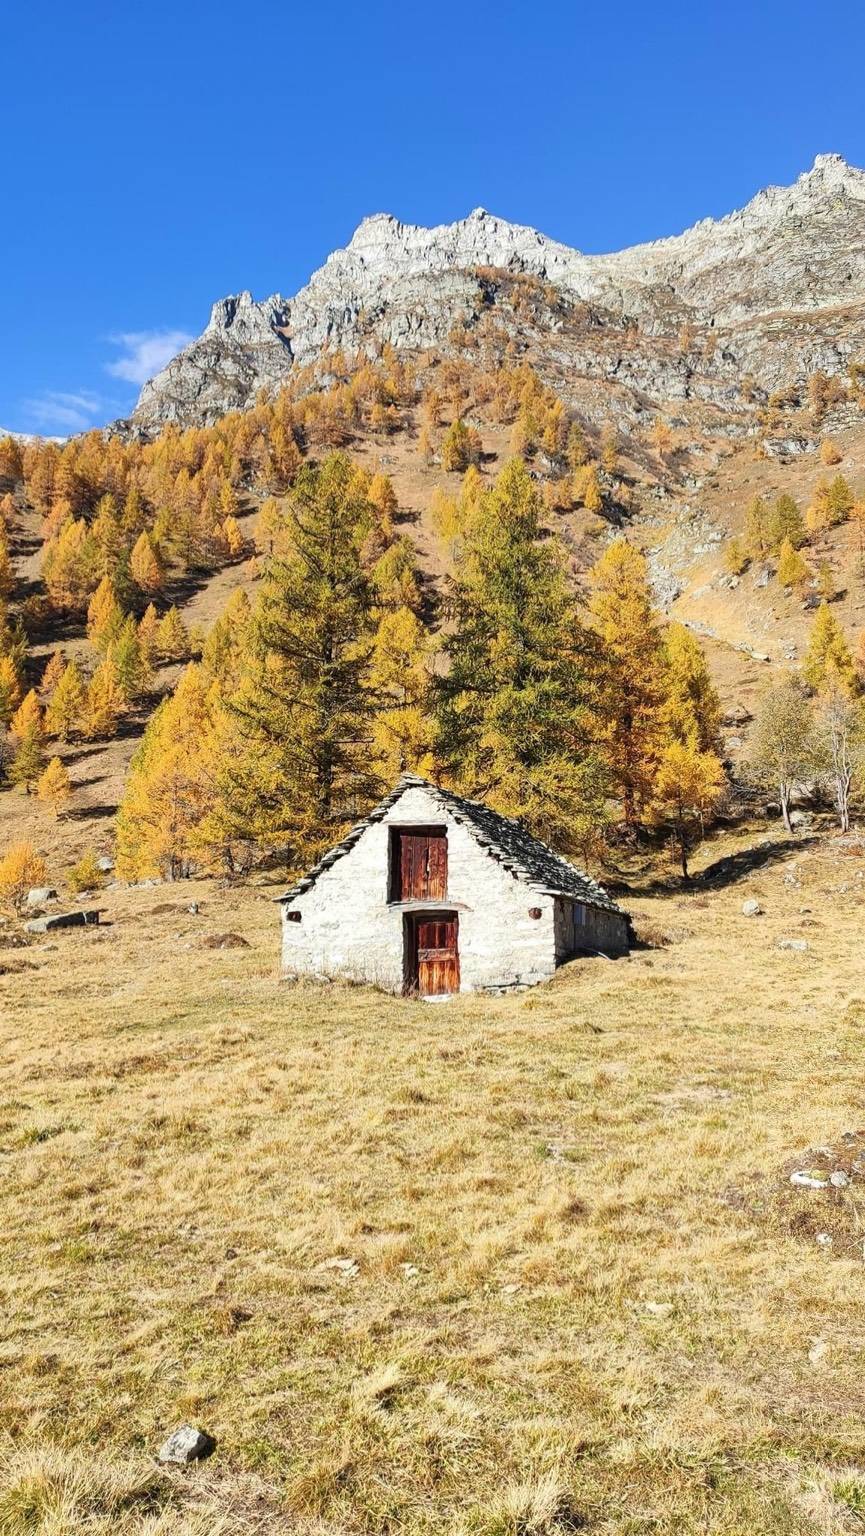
434 961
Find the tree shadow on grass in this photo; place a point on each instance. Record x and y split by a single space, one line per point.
90 812
737 866
730 869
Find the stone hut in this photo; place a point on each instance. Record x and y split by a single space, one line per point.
434 894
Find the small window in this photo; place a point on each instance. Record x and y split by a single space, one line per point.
418 864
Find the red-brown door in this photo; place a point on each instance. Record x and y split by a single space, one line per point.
434 968
420 864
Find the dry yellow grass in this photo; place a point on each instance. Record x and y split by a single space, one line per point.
553 1319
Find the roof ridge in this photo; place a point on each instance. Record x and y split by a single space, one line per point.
487 825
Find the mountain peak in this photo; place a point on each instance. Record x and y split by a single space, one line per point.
831 162
795 250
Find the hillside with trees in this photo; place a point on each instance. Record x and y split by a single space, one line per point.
442 568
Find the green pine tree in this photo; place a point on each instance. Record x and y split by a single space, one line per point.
512 707
298 761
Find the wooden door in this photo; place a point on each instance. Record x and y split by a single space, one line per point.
420 864
435 961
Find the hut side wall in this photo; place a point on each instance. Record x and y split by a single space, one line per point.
579 928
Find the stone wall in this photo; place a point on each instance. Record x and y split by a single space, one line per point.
346 927
581 929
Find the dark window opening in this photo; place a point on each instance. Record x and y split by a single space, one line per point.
418 864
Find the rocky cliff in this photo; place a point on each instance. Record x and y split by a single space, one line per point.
775 290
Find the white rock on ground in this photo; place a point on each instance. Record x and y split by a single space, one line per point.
185 1445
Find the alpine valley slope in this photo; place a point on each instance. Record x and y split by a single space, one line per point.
775 291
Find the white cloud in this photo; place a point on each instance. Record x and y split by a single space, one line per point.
58 410
144 353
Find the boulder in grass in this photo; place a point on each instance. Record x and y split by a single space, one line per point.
185 1445
63 920
751 907
39 895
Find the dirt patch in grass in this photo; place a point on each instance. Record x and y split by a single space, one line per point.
817 1196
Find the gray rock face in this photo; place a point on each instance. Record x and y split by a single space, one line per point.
780 284
185 1445
243 350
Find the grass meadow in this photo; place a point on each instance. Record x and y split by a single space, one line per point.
504 1267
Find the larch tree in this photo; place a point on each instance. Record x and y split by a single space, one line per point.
108 536
54 670
456 448
225 645
382 496
235 543
145 566
577 447
302 764
784 749
27 731
104 616
148 633
267 525
172 637
513 702
171 787
104 702
587 489
129 668
828 659
688 787
758 532
792 569
403 733
691 710
785 522
608 450
65 711
7 575
634 680
10 689
21 867
54 787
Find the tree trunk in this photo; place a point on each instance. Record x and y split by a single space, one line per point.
785 806
842 801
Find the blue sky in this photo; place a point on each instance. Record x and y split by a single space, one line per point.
157 157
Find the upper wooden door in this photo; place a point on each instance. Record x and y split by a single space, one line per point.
420 864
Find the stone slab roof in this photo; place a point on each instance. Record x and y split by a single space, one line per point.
504 839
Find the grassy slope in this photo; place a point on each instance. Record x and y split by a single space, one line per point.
186 1142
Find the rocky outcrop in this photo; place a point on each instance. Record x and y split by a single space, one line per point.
780 284
244 348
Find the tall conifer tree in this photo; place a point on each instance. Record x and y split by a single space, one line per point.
514 703
634 674
301 765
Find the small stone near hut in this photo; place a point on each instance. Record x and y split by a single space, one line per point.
185 1445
